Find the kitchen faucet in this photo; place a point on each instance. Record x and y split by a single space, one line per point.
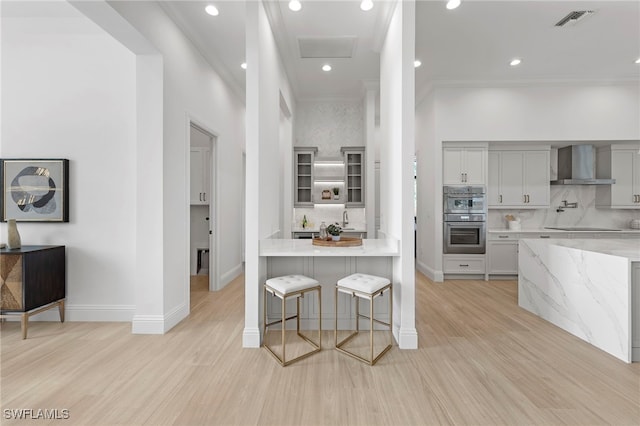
345 219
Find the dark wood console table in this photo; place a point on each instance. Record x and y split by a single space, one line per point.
32 280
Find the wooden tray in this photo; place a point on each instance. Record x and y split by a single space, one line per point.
344 242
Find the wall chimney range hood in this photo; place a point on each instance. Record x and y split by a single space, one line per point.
576 167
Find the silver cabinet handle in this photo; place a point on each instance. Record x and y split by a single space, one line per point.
524 198
545 236
503 236
500 198
201 196
463 265
204 196
465 177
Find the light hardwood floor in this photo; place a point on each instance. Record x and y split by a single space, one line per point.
482 361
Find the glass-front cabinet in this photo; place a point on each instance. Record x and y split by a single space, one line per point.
303 175
354 175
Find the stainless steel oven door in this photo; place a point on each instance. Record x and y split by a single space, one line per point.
464 237
464 204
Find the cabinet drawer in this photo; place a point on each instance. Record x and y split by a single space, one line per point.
503 237
461 264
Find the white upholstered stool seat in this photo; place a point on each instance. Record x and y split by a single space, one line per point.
290 283
285 287
366 287
362 283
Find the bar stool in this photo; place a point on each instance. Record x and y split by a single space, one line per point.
286 287
366 287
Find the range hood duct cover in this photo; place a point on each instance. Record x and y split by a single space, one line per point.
576 167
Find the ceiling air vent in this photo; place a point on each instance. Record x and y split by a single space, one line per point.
574 17
327 47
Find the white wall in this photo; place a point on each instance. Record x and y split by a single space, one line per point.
266 82
516 114
397 128
192 91
68 91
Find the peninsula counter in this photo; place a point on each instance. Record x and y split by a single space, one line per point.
328 265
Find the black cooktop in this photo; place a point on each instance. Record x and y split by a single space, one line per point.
581 228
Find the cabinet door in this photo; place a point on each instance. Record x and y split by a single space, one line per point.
503 257
636 176
354 176
536 178
452 166
511 178
493 187
303 177
200 174
622 170
474 166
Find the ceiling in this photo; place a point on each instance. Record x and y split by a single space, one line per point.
470 45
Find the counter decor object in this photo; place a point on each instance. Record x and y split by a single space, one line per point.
326 194
13 236
334 230
513 223
323 231
343 242
336 193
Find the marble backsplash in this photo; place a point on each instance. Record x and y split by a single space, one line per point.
329 214
586 214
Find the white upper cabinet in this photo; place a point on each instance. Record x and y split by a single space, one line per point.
519 178
200 175
464 165
622 163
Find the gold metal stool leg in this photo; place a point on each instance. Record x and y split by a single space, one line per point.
298 294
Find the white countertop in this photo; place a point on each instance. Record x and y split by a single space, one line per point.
305 248
558 231
627 248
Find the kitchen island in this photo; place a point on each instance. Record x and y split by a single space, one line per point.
590 288
328 265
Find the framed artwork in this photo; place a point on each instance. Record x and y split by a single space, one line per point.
34 190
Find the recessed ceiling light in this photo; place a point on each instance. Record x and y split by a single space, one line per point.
638 61
417 63
366 5
452 4
295 5
243 65
515 62
212 10
326 67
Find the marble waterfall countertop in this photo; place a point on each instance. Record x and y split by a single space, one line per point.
304 248
583 286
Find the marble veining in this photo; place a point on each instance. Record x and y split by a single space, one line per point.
586 214
583 291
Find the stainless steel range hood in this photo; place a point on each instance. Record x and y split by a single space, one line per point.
576 167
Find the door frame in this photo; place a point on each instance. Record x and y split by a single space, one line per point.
214 205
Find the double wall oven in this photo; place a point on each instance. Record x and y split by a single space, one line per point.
465 216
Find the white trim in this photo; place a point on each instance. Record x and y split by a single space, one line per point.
432 274
230 275
407 338
85 313
251 338
175 316
147 324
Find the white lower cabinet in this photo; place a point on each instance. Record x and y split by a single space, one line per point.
463 263
503 257
635 311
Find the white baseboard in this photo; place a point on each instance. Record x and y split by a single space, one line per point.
88 313
175 316
251 338
432 274
147 324
230 275
408 338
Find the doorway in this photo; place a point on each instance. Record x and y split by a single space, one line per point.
202 210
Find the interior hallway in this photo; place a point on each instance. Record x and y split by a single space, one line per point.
481 360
